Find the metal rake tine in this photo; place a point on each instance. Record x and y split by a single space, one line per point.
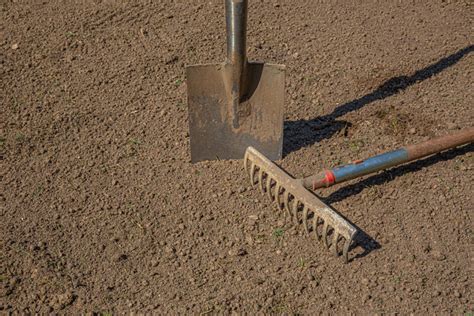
252 174
286 201
277 195
315 227
295 211
345 250
260 181
269 187
334 243
325 234
246 159
305 219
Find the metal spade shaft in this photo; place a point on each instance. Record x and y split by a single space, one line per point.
236 26
406 154
236 103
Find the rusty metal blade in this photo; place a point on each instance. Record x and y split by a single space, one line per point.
217 130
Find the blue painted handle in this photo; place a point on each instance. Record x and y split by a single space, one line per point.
387 160
357 169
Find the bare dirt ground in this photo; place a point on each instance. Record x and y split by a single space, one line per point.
101 210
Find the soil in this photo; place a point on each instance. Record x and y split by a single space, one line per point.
102 211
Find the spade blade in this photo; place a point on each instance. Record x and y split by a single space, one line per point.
217 131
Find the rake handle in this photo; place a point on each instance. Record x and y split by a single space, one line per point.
386 160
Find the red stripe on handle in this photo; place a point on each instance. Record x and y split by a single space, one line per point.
330 178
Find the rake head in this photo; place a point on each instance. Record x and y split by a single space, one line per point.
318 219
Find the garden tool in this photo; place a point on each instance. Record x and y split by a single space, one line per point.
294 196
406 154
235 104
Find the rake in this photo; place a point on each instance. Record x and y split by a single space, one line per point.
290 195
318 218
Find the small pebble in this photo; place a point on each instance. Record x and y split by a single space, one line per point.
169 249
241 252
437 255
